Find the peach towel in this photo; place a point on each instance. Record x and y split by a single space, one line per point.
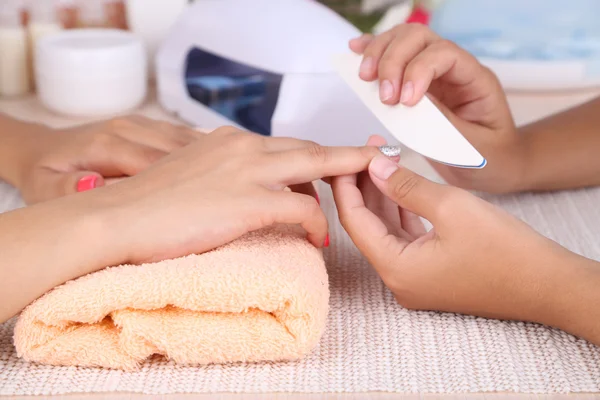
262 297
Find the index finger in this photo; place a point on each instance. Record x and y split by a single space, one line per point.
370 235
315 162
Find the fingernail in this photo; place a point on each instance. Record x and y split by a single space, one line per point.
326 244
366 66
407 92
382 167
317 198
386 90
390 151
87 183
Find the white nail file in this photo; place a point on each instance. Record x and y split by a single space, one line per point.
422 127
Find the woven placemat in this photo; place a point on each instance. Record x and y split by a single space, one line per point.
372 344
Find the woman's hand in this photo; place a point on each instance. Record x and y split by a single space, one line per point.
227 183
411 61
202 196
51 164
477 260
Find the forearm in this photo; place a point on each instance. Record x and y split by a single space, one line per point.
563 151
572 299
17 141
45 245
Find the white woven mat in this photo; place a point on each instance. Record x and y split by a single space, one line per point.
371 344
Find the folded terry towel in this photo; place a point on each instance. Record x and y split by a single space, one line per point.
262 297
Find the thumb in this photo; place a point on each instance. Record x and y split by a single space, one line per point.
407 189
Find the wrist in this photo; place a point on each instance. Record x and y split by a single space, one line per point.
96 239
20 144
529 165
571 299
514 161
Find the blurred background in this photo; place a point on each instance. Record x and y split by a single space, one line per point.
532 45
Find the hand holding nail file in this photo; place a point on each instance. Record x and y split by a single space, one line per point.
422 128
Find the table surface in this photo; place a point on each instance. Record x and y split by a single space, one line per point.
526 108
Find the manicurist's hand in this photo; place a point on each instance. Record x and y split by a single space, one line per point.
477 260
411 61
44 163
202 196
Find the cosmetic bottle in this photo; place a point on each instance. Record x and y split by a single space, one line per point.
14 77
43 21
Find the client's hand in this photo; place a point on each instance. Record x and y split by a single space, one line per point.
52 164
199 197
225 184
477 260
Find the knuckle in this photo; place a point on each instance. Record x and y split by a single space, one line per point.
177 141
310 143
447 45
240 140
378 44
151 157
491 75
312 210
390 65
369 152
316 212
308 204
101 140
416 67
318 153
416 29
225 130
404 186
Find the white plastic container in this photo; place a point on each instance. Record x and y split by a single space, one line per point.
91 72
14 77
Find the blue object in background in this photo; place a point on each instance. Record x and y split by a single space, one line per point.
241 93
518 30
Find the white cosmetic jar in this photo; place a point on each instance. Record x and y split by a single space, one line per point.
91 72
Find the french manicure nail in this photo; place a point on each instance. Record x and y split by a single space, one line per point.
366 66
408 91
386 90
87 183
326 244
382 167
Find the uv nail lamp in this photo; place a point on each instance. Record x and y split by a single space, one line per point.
265 66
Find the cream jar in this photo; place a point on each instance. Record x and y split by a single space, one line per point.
91 72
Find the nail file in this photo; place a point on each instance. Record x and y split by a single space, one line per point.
422 127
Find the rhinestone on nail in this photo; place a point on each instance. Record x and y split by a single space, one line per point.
390 151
